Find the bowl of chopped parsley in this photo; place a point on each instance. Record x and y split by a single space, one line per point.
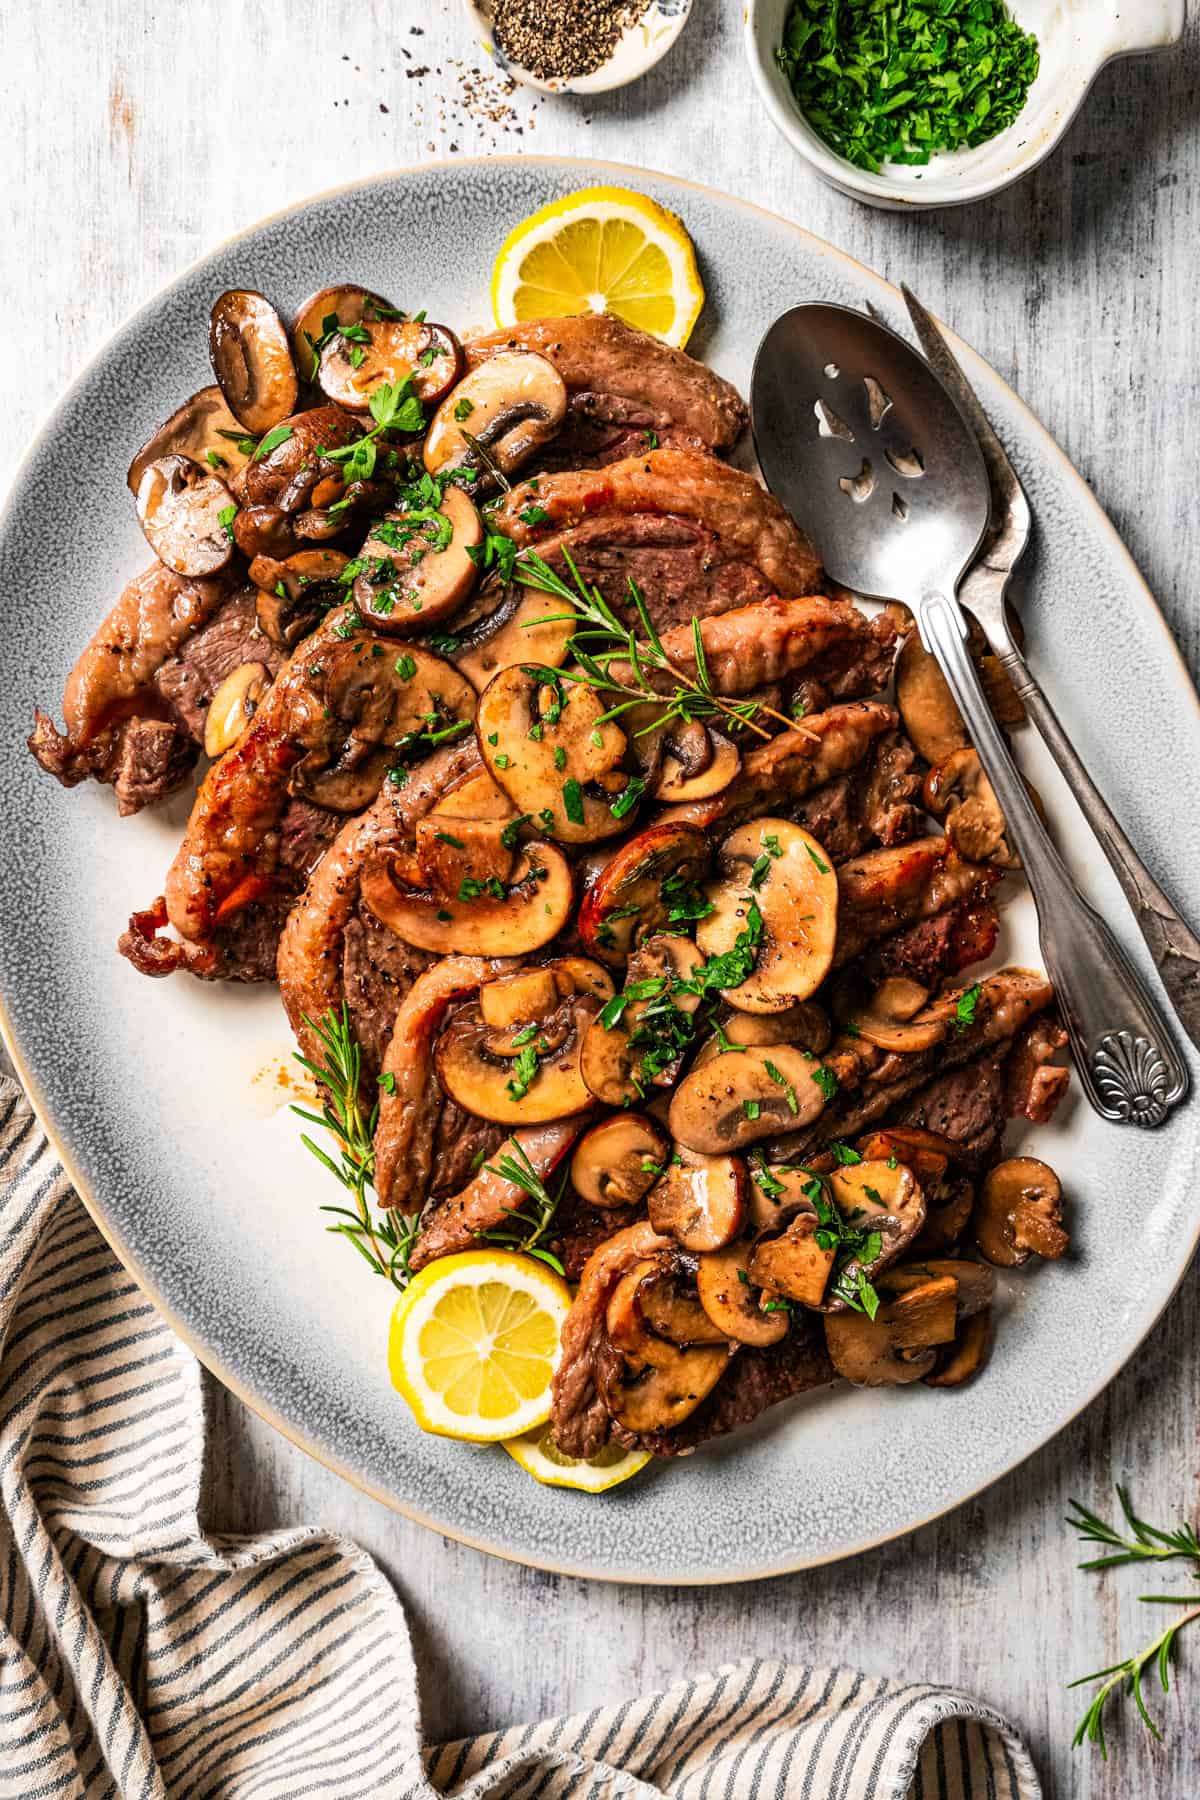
922 103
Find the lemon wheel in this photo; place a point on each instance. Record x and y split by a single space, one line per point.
474 1344
602 249
540 1457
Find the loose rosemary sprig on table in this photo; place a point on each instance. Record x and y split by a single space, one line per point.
602 641
532 1219
385 1241
1142 1543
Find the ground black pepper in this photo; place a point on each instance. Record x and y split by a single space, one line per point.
562 38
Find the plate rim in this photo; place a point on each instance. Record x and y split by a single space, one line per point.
39 1101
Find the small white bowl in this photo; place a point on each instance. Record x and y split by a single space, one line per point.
638 49
1076 39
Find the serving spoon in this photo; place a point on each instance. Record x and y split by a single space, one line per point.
862 443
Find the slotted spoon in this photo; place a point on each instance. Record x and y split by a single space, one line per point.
864 446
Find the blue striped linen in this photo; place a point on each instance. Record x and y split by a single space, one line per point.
142 1657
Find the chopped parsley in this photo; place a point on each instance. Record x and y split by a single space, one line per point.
471 889
225 519
781 1080
278 434
525 1068
405 667
572 795
826 1080
463 409
628 798
822 867
444 837
964 1012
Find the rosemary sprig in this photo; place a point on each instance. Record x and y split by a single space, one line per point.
532 1219
614 660
386 1241
1142 1543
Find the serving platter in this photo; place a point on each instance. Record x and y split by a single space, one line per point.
169 1100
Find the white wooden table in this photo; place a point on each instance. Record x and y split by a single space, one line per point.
138 134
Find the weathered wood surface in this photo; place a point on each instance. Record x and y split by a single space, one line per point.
136 135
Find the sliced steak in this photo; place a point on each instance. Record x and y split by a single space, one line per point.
775 640
626 388
885 890
242 950
754 1380
946 944
1033 1085
698 537
871 805
966 1105
189 680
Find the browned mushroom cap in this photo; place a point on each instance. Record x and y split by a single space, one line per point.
680 780
417 568
741 1096
370 710
883 1202
805 1024
546 742
466 836
186 513
486 916
295 592
779 871
732 1302
900 1344
894 1018
660 1387
640 1040
963 1359
252 360
526 1074
927 1153
931 719
320 317
1020 1213
975 1285
618 1161
233 706
651 883
657 1299
501 625
204 429
700 1201
394 351
795 1264
507 407
777 1191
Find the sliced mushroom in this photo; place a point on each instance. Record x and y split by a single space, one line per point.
252 360
509 406
1020 1213
296 592
927 1153
510 1002
320 316
506 625
676 784
925 1315
700 1201
805 1024
486 917
394 351
958 792
466 839
186 513
203 429
975 1284
741 1096
417 568
965 1356
779 871
777 1191
651 884
233 706
527 1076
795 1264
640 1045
623 1319
670 1307
656 1396
618 1161
900 1344
883 1202
726 1287
948 1208
369 711
893 1018
545 741
931 719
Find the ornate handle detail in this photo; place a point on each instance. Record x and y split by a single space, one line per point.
1124 1052
1170 939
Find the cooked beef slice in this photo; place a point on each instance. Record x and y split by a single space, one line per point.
191 678
378 969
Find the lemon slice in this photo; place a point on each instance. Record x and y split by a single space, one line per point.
474 1343
541 1457
602 249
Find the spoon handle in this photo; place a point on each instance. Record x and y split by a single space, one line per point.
1169 938
1124 1051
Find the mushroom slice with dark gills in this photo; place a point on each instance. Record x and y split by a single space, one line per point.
957 792
734 1305
1019 1213
294 593
739 1097
205 430
854 1222
497 416
302 469
641 1036
186 512
355 364
617 1162
777 871
524 1070
660 1296
484 915
506 624
252 360
416 568
547 743
649 1380
325 313
806 1024
652 883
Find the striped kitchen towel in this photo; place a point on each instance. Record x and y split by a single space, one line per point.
142 1657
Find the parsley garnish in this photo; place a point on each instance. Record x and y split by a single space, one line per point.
964 1012
278 434
826 1080
572 795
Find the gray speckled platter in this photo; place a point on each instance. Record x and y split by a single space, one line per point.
166 1097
